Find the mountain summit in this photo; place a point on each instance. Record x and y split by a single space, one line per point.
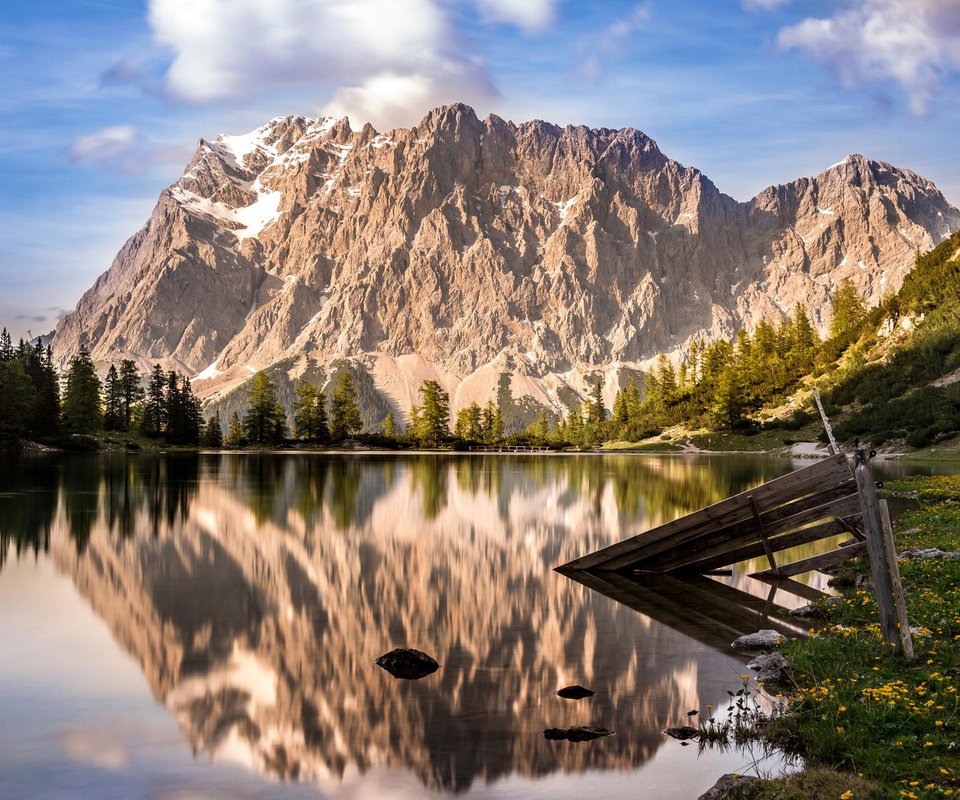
463 248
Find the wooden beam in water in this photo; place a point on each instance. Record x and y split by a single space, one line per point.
783 519
829 559
779 543
822 475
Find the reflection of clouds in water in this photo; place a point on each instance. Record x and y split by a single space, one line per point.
103 749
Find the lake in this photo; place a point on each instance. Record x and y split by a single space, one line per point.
206 626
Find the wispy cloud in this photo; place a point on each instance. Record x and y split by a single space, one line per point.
912 44
107 144
124 149
764 5
527 14
604 48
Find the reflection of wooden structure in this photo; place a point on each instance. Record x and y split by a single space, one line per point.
813 503
702 608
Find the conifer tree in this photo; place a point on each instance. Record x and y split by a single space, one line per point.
345 416
112 401
264 421
6 346
434 428
131 390
469 426
82 410
213 432
16 399
310 414
234 432
154 419
848 310
388 427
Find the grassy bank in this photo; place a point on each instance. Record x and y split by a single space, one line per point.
869 723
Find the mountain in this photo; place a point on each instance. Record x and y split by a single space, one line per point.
462 249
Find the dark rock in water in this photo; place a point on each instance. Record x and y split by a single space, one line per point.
682 733
692 713
732 787
407 663
575 692
581 733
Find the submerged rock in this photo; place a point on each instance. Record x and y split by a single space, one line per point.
579 733
770 668
761 640
407 663
682 733
732 787
575 692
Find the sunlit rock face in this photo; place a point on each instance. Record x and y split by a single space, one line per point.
256 594
462 248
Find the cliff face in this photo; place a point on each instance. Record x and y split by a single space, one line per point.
461 248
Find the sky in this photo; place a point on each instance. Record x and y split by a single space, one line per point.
103 101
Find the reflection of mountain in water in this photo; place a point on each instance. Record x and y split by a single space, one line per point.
256 592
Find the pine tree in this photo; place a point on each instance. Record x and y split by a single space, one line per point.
44 414
435 415
848 310
213 432
264 421
131 390
112 401
541 428
388 427
6 346
596 411
82 410
16 397
154 419
345 419
234 432
469 425
310 414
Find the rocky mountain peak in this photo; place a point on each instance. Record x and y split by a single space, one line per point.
461 248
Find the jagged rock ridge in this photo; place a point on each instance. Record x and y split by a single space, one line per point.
460 249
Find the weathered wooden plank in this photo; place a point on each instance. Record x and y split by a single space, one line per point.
878 561
814 533
816 562
896 585
796 587
718 542
808 480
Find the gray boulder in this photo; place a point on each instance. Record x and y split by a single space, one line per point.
761 640
770 668
732 787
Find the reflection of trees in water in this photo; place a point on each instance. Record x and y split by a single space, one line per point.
28 503
90 490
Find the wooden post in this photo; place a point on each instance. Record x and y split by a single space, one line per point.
899 602
879 564
834 447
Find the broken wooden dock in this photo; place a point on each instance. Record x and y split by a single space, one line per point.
814 503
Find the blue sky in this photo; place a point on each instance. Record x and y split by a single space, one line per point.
103 100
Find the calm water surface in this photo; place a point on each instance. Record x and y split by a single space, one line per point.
206 626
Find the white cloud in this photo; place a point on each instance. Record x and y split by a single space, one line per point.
528 14
385 61
911 43
106 144
391 100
